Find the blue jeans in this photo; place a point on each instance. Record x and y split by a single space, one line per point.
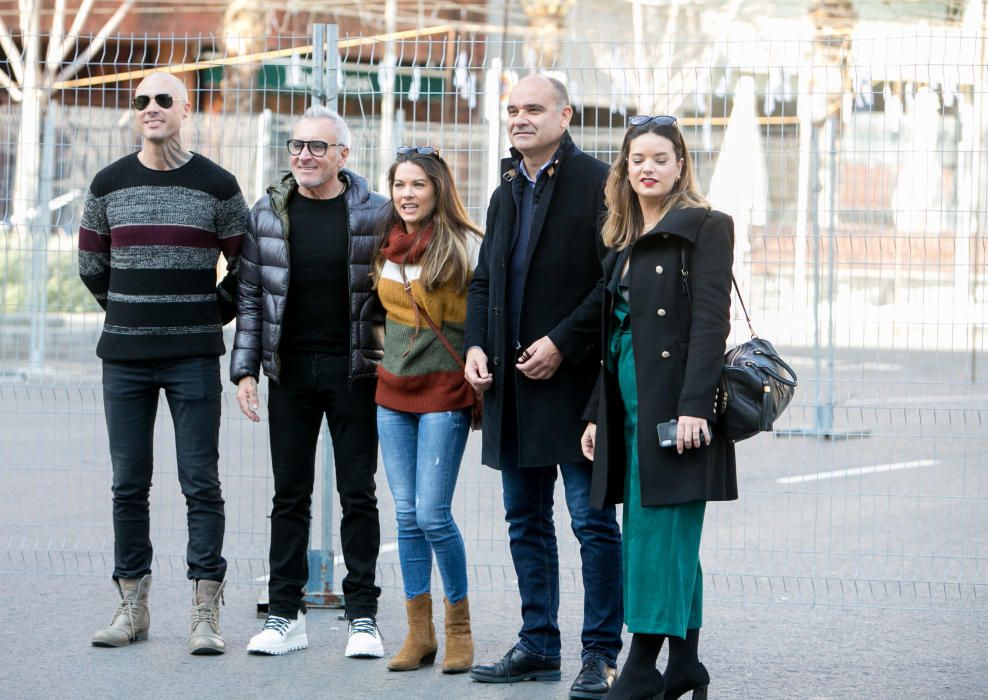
528 500
422 454
130 402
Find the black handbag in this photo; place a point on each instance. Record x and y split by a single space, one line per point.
756 384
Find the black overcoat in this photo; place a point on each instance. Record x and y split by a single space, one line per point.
561 297
679 354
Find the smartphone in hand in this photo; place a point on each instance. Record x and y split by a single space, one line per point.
667 433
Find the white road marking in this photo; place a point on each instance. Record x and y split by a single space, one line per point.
944 400
857 471
846 365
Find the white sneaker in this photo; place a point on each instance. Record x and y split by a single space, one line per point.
365 639
280 636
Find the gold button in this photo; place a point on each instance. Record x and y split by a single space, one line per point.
658 269
665 235
665 354
661 312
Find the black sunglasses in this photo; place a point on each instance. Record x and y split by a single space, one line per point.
421 150
658 120
316 148
164 100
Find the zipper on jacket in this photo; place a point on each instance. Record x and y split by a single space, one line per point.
283 216
349 290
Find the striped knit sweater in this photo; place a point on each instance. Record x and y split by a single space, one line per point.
149 243
417 374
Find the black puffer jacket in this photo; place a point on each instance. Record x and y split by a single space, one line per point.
264 280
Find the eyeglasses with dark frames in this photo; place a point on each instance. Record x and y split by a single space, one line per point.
421 150
658 120
164 100
316 148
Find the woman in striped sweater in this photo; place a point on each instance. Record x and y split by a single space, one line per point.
426 258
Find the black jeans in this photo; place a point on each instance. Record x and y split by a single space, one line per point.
313 386
130 401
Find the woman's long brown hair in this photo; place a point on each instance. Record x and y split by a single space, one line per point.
446 260
625 221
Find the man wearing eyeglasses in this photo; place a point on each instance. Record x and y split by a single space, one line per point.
154 225
533 323
318 339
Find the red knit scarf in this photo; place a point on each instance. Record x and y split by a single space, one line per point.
403 248
406 248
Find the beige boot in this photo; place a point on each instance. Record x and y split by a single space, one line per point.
459 640
132 619
205 637
420 645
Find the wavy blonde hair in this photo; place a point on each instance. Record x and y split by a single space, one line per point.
446 260
625 222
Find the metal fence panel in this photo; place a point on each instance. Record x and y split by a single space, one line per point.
856 176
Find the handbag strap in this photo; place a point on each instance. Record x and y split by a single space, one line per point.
686 287
407 286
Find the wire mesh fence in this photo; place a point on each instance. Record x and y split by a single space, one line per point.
856 174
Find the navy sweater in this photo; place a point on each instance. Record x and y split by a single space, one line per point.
149 243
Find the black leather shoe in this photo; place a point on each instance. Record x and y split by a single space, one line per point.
516 666
696 679
594 679
631 687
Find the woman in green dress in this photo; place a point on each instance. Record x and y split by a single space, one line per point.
665 325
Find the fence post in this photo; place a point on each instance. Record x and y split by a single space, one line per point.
331 77
264 125
317 86
38 284
319 588
386 78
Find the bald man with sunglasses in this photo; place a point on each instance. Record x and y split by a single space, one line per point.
154 226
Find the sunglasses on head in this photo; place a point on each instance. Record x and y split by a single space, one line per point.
658 120
316 148
421 150
164 100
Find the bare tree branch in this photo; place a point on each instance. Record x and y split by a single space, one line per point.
24 7
31 39
13 90
73 36
57 35
96 44
12 52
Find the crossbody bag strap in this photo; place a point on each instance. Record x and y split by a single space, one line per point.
685 271
407 286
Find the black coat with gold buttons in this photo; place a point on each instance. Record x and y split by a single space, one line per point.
679 352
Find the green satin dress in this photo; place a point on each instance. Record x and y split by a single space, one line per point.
663 581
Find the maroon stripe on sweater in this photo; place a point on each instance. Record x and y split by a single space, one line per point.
231 245
163 234
91 242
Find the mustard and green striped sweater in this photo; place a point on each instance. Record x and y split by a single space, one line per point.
417 374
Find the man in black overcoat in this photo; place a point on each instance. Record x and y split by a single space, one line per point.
533 325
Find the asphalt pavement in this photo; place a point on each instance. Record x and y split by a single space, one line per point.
849 567
751 650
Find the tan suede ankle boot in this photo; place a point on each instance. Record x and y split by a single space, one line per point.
205 638
459 640
132 618
420 645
